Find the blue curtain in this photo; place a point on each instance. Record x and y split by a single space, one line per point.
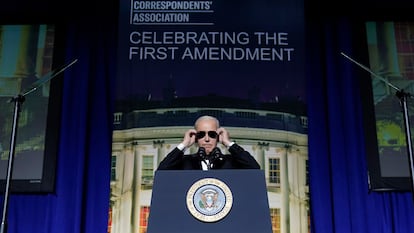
81 199
339 191
340 198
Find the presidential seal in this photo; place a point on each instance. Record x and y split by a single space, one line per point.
209 200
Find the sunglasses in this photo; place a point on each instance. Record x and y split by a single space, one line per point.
202 134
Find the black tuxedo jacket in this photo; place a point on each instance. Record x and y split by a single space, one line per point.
237 159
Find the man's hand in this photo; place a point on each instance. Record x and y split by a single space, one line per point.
189 138
224 136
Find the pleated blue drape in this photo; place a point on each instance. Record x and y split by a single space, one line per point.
340 197
81 199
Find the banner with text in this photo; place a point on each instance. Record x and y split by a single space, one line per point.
242 61
223 48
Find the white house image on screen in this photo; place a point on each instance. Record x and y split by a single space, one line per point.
277 140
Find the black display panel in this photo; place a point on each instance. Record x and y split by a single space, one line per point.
28 59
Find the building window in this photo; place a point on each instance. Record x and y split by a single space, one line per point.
307 172
275 117
113 168
117 118
274 171
211 112
147 177
143 219
304 121
275 218
248 115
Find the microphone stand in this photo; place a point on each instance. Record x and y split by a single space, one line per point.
18 101
402 95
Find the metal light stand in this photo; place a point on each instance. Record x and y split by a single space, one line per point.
18 101
403 100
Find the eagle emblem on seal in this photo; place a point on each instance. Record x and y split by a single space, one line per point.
209 200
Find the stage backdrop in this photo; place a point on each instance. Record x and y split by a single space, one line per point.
241 61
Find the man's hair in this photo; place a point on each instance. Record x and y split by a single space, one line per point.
206 117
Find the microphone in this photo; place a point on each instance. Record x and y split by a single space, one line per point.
216 154
202 153
202 156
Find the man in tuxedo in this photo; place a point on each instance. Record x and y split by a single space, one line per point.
207 133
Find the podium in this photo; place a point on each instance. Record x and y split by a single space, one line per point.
219 201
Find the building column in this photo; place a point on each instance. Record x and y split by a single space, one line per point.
261 158
159 144
285 190
388 49
17 62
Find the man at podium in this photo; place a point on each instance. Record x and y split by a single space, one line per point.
221 200
207 133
